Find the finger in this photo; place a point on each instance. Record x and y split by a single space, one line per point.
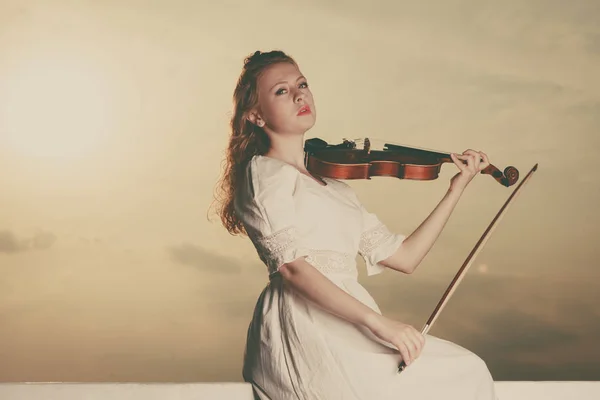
404 352
410 348
476 156
419 341
479 162
486 160
470 161
484 157
457 160
464 157
413 345
477 159
422 339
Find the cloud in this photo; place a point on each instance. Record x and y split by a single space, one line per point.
515 88
189 254
592 43
43 240
513 331
535 25
10 243
91 241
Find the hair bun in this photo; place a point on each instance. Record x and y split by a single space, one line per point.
253 57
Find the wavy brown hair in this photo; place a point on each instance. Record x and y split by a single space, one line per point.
246 139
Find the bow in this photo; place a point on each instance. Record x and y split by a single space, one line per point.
461 272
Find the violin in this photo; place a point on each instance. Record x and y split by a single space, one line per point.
359 159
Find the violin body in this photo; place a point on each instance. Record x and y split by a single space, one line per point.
347 161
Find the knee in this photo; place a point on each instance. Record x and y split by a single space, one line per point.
479 365
477 360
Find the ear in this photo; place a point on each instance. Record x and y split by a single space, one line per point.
252 116
255 118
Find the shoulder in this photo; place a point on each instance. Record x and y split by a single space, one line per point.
266 173
342 186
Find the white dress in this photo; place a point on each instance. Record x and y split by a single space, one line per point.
296 350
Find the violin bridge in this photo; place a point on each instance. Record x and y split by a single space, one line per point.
363 144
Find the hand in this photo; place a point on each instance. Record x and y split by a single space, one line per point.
404 337
467 171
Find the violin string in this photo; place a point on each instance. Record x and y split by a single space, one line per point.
378 144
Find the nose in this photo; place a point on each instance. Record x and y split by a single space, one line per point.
299 96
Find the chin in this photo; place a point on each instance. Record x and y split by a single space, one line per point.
308 123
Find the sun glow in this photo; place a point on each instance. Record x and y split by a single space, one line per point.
54 107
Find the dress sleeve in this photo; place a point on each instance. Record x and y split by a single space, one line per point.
377 242
267 209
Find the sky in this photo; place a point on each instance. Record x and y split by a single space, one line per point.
114 122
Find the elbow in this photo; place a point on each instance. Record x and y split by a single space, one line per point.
405 268
408 269
290 269
408 266
400 261
286 271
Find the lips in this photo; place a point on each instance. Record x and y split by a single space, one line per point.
304 110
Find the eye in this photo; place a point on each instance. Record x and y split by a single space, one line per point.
281 91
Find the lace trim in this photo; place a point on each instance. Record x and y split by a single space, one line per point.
370 239
280 247
275 245
328 261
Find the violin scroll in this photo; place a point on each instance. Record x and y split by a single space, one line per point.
508 178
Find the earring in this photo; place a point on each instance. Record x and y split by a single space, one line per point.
260 123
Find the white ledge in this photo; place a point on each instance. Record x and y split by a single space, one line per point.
506 390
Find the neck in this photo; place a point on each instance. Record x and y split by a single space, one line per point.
289 149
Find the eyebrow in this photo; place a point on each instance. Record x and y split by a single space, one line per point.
300 77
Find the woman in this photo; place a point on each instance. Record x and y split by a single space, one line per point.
316 332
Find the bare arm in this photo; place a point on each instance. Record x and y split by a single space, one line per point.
316 287
416 246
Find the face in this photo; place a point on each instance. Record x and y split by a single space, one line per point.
285 103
